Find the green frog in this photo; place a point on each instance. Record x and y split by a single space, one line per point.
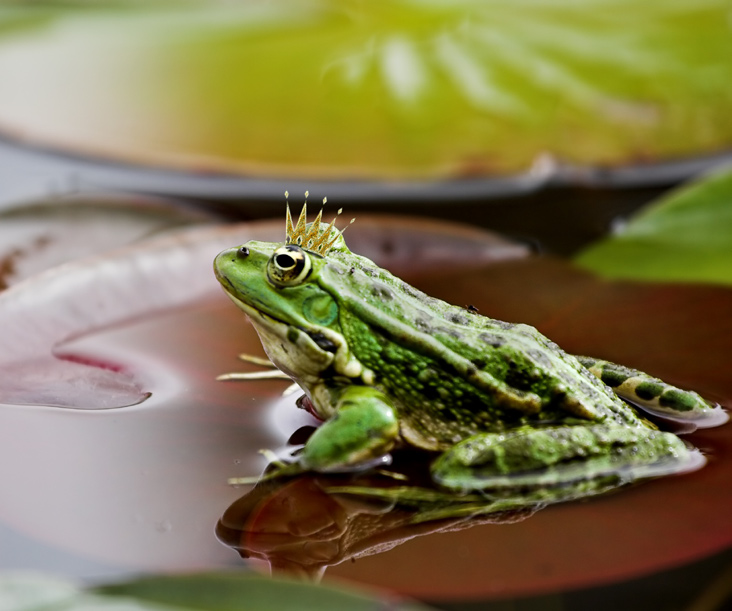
385 365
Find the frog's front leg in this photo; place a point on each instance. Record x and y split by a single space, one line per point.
654 395
364 427
558 461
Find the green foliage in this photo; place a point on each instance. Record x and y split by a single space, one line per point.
234 591
244 591
684 237
344 88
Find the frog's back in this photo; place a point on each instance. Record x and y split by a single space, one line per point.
453 373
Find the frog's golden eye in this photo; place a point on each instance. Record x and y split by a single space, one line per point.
289 265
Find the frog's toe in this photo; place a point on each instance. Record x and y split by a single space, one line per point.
555 459
656 396
681 406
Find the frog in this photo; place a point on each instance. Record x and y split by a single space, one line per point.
500 407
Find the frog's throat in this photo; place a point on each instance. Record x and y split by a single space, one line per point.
294 351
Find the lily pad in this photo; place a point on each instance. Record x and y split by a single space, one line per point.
236 591
165 271
39 235
684 237
341 89
205 592
141 489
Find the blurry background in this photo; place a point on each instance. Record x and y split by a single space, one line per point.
406 105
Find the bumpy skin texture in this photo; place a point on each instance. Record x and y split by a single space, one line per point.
385 364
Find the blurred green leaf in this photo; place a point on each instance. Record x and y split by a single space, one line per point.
203 591
344 88
246 591
26 592
684 237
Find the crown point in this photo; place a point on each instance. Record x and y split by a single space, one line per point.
313 238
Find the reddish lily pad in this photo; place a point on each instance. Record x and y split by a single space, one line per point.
42 234
171 270
141 488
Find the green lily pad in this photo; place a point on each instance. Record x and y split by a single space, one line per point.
204 591
684 237
242 591
343 89
24 592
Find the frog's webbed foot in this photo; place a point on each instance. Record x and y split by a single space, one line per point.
560 463
276 469
656 396
362 431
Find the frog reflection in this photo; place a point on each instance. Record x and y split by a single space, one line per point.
304 524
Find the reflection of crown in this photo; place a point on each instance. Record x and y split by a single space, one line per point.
314 239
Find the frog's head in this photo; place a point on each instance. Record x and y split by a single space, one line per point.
276 285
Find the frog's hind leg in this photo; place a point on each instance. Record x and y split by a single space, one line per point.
560 463
654 395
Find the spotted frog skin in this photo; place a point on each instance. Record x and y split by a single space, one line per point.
384 365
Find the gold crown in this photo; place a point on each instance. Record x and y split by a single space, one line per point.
314 239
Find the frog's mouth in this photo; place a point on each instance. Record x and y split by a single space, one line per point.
318 337
301 352
298 352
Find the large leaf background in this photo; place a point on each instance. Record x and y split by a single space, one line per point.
323 88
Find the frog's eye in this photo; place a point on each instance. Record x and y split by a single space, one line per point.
289 265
